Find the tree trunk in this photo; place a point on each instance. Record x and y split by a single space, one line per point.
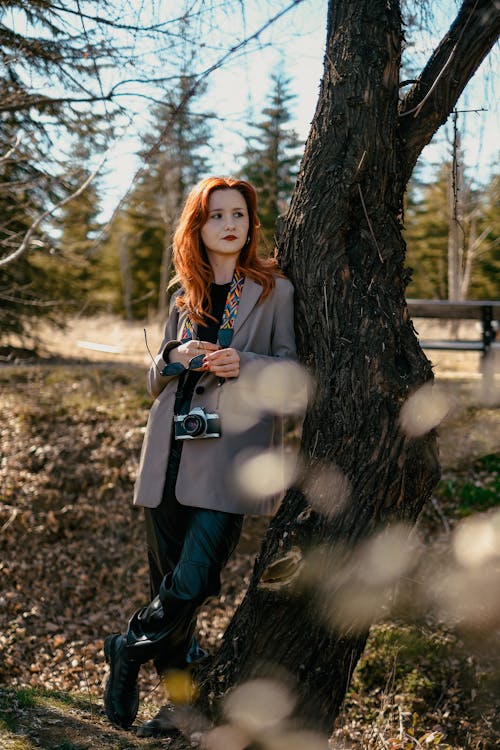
126 276
341 245
166 262
455 221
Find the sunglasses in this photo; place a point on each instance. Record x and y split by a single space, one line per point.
177 368
224 338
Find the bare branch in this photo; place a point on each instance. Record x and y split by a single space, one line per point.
434 96
29 234
12 150
46 101
158 27
196 82
416 110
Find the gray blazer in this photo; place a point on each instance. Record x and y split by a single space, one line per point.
262 333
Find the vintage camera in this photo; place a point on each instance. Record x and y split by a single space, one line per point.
196 424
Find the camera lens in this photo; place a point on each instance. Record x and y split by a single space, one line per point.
194 424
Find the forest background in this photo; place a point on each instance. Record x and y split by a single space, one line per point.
74 84
108 249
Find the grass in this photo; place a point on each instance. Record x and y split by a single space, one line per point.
18 700
418 685
478 491
55 720
81 390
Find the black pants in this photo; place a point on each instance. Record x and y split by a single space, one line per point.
187 549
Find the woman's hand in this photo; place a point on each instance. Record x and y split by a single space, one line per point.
190 349
224 363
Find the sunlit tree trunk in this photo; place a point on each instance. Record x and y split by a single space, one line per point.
126 276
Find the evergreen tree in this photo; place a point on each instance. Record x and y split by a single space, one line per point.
78 226
39 54
426 235
272 157
485 276
433 211
143 236
26 285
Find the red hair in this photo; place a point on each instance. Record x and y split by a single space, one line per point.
193 270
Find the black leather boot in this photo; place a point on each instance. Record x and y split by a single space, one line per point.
121 697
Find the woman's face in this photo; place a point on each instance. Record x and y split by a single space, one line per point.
225 231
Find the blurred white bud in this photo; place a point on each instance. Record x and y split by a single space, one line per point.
258 705
277 387
327 489
423 410
387 556
343 600
356 609
354 587
225 737
282 387
241 410
477 540
470 597
264 474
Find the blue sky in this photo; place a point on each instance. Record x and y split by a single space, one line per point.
238 90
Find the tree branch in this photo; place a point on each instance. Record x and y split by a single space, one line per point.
40 102
429 102
158 27
12 150
196 82
29 234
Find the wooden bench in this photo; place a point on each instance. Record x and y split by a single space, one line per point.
487 311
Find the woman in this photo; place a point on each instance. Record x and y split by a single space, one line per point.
233 312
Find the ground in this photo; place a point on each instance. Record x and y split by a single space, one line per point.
73 565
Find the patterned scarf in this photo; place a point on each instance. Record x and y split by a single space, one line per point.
228 317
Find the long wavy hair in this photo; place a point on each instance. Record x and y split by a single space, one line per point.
193 270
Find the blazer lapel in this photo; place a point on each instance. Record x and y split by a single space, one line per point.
250 295
180 323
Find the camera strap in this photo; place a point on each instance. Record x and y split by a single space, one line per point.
224 338
225 334
179 396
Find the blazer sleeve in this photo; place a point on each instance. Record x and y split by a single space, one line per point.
156 382
283 332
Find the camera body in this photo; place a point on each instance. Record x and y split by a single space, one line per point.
196 424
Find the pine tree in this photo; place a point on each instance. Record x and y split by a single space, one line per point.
273 156
39 55
26 285
450 216
144 234
77 227
485 276
426 236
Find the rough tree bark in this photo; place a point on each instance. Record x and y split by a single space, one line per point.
341 245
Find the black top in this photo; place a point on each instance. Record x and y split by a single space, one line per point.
218 295
207 332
